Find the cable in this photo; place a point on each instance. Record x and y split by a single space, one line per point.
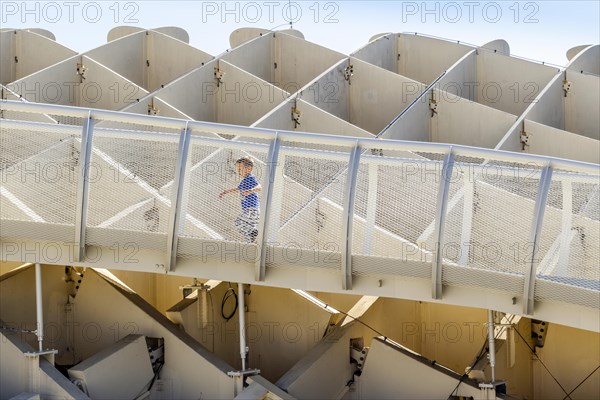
229 293
147 385
581 383
480 355
466 374
156 375
358 320
544 365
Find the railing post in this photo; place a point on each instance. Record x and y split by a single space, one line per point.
348 218
265 210
371 208
83 187
538 219
176 196
467 223
440 217
565 235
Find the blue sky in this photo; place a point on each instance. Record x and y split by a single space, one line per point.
540 30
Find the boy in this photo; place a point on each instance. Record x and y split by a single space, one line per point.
247 222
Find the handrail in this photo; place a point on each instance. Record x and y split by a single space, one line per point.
311 138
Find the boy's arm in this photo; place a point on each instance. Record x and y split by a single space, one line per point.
224 192
255 189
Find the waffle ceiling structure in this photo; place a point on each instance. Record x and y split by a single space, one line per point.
404 87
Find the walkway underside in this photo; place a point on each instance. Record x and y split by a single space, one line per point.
453 224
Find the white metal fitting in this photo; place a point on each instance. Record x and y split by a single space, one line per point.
566 87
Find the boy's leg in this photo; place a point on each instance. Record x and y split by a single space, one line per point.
254 228
247 224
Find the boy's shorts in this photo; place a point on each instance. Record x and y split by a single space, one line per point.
247 223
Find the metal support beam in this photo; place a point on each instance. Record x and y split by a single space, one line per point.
39 306
440 217
348 215
467 223
265 208
176 196
492 344
83 185
277 202
242 321
538 219
566 236
371 208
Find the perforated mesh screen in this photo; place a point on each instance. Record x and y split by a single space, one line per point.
550 240
489 220
455 243
128 126
513 177
309 215
25 116
406 203
135 166
590 201
387 223
141 156
39 169
570 238
68 120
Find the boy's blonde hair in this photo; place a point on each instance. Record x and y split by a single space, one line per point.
246 161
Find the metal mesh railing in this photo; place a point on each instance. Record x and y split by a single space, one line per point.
487 226
309 213
501 229
127 170
397 199
39 169
570 241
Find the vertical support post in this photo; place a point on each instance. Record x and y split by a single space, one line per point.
371 208
83 188
492 344
39 306
538 219
467 224
565 232
440 217
176 196
348 217
242 319
265 210
276 202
